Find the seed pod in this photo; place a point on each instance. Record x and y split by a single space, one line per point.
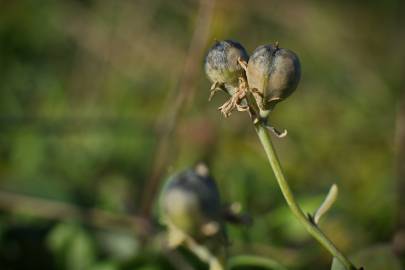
222 67
190 201
274 73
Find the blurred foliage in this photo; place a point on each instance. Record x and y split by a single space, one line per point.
84 83
373 258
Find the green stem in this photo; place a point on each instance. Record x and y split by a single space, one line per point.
248 260
265 139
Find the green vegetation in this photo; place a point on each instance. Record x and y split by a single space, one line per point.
88 116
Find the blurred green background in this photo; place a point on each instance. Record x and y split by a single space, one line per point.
101 100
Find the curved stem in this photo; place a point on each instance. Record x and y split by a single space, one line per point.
249 260
202 252
292 203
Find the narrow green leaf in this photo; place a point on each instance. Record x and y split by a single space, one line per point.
327 203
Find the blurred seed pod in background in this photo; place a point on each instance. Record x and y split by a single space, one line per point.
190 203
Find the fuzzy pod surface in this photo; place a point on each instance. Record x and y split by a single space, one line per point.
222 66
274 72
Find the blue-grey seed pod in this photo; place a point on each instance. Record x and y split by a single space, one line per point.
190 201
274 73
221 64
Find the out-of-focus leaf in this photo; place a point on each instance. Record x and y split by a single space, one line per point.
81 252
59 237
373 258
113 191
105 266
337 265
72 246
149 267
118 245
249 262
377 258
28 153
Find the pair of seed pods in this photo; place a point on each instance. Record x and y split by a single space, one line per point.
190 200
271 72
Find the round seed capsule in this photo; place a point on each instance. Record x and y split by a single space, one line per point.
274 73
221 64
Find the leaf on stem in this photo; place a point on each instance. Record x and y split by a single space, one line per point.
327 203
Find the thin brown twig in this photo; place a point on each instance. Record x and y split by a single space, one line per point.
55 210
184 93
400 156
399 236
